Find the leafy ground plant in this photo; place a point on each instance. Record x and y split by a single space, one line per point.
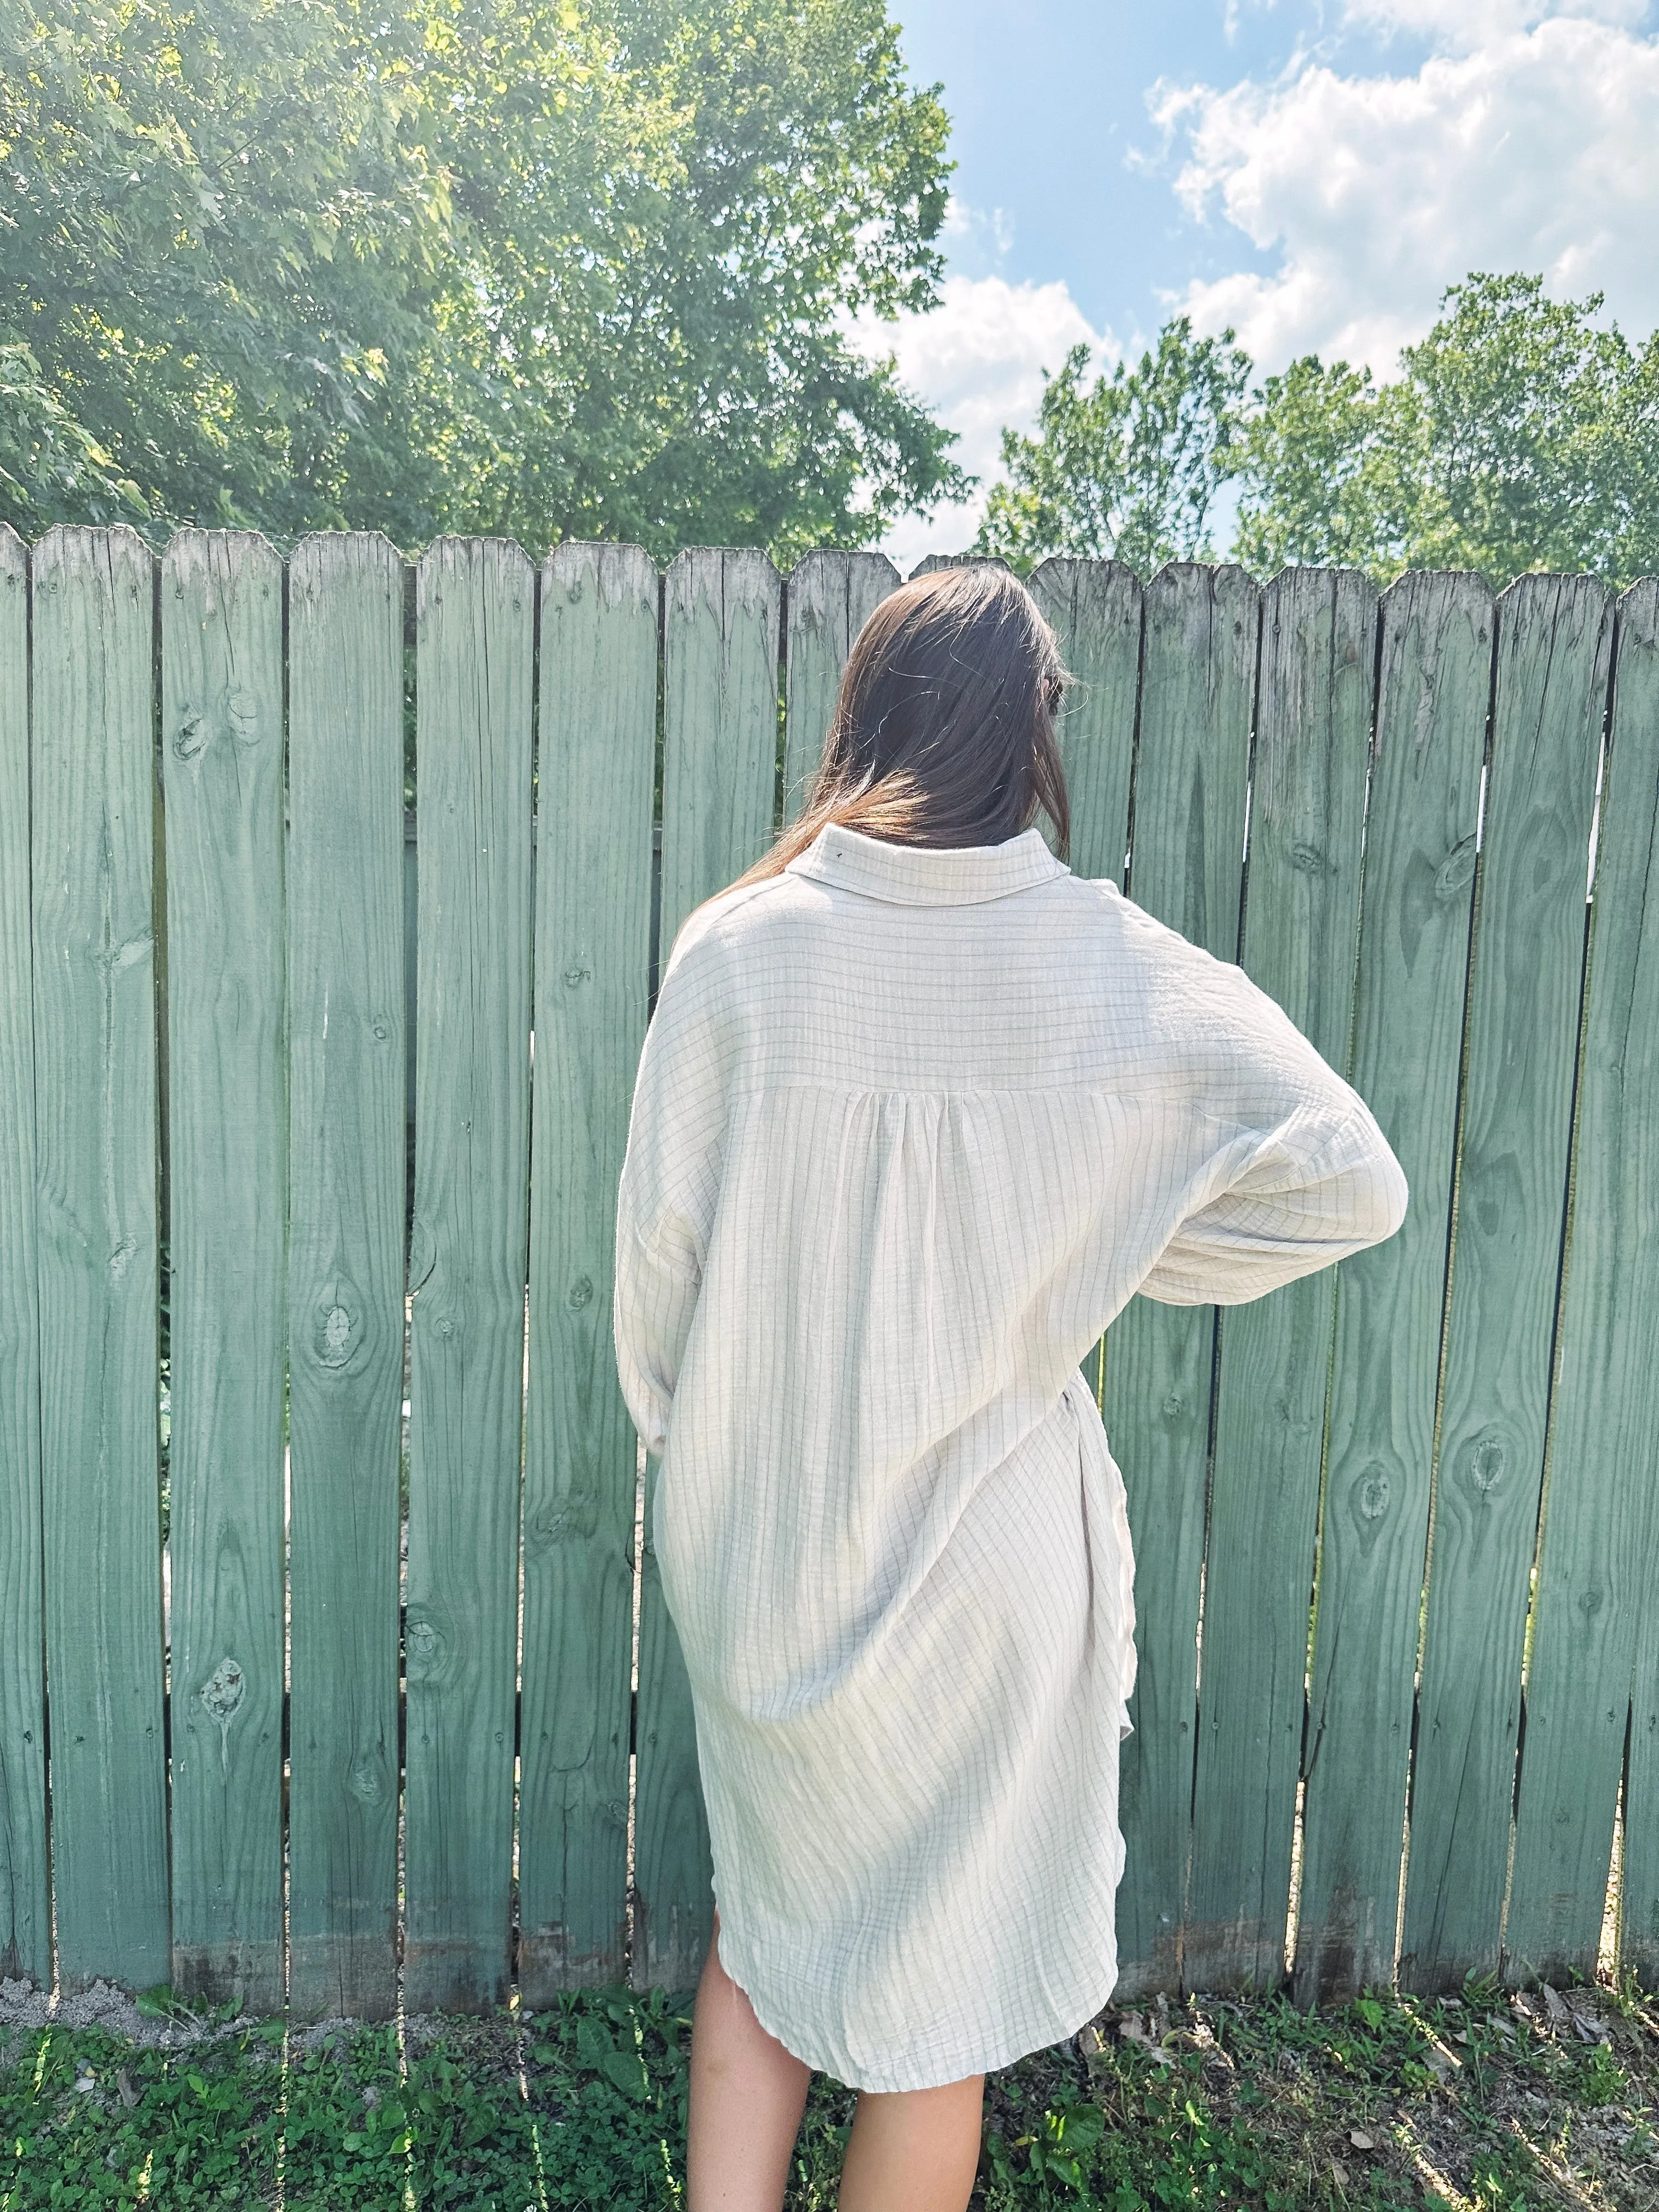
1495 2102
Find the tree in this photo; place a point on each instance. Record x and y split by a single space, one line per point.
467 265
1127 469
50 464
1518 435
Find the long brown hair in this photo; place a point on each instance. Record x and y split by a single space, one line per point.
944 727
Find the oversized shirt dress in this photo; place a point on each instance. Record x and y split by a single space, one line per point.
910 1125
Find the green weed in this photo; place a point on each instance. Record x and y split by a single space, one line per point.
1485 2104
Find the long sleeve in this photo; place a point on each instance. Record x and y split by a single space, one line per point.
1295 1172
669 1180
655 1296
1316 1190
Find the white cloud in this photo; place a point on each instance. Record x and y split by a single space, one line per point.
1535 146
977 360
1469 23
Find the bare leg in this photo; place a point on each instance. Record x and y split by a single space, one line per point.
747 2096
917 2151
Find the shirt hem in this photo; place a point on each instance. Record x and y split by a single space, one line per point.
989 2056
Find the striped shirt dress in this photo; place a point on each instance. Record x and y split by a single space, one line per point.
910 1125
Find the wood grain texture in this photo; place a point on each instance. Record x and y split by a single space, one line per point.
96 1136
24 1906
1300 942
831 596
1192 762
721 616
475 631
345 1266
221 765
1094 609
720 660
933 562
1636 727
597 753
1434 690
1595 1576
1555 649
1638 1919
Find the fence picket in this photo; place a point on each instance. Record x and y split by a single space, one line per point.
597 753
93 868
1301 932
1198 689
222 762
1600 1527
475 630
1554 646
345 1266
1433 691
25 1904
720 703
831 597
1094 610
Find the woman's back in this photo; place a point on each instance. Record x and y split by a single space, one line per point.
912 1125
918 1111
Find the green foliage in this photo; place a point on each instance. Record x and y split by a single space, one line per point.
460 264
1127 469
52 467
1519 435
1388 2105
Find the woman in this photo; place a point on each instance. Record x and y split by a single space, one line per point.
918 1111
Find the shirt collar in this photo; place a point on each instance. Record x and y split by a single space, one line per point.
925 875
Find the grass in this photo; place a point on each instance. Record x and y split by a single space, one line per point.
1492 2103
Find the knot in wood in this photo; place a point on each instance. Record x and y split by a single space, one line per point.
1456 871
1374 1494
364 1783
190 739
1172 1404
1486 1463
580 1293
224 1690
423 1644
573 976
334 1335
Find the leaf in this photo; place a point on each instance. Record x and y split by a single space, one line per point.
625 2071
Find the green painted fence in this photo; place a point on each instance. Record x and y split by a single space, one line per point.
332 1662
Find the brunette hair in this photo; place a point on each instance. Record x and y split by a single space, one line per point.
944 727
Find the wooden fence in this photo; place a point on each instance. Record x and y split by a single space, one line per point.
370 1711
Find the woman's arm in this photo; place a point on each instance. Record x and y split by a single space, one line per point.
655 1295
1294 1175
671 1175
1322 1185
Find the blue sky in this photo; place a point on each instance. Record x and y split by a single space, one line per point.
1313 171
